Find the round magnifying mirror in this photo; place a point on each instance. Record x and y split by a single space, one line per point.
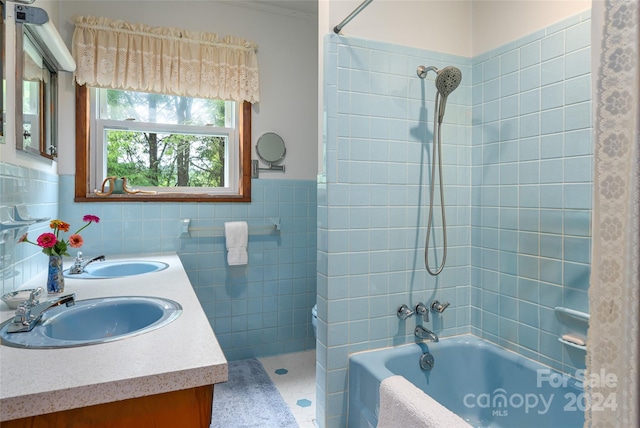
270 148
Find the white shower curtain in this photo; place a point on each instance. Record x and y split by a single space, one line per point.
612 343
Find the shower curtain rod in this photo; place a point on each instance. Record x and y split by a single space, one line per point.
352 15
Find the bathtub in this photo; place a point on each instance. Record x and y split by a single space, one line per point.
486 385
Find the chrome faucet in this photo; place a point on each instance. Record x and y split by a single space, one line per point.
28 314
79 263
421 309
436 306
404 312
423 333
34 296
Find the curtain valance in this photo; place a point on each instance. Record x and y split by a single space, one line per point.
120 55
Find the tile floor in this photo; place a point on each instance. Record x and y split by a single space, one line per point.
295 377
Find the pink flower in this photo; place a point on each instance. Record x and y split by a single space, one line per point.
91 218
54 244
47 240
76 241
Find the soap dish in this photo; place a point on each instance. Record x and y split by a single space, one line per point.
573 345
14 298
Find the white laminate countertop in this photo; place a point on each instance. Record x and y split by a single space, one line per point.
183 354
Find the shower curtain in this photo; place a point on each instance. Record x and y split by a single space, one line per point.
612 343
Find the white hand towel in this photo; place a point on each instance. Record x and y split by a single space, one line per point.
237 234
402 404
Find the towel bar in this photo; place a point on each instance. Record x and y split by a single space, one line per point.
191 232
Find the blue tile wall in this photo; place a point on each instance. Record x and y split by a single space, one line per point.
534 237
373 206
39 192
518 161
260 310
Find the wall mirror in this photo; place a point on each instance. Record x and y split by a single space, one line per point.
3 86
41 53
271 150
39 86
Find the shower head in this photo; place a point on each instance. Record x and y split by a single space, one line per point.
448 80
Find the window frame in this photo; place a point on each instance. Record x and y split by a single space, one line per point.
84 193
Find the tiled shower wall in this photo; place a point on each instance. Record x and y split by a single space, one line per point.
531 190
518 134
39 192
258 310
372 206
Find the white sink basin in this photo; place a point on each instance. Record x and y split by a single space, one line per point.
94 321
116 269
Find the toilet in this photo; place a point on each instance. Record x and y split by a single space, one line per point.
314 319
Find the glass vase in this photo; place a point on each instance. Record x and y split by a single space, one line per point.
55 277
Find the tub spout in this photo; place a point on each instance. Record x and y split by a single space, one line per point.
423 333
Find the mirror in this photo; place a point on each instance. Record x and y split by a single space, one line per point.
40 54
2 74
37 131
271 149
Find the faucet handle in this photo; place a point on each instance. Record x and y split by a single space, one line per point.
33 297
436 306
79 256
404 312
421 309
22 314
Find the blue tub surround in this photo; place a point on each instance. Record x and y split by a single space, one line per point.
517 156
181 355
531 190
484 384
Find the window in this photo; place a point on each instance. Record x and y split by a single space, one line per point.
180 152
183 148
166 142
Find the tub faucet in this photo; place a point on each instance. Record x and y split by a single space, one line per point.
28 314
421 309
436 306
404 312
79 263
423 333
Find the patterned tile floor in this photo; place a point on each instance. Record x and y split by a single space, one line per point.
295 377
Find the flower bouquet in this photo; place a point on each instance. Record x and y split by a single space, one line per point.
55 247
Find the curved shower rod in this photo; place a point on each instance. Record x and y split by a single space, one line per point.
352 15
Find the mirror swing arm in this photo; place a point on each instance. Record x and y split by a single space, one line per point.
255 168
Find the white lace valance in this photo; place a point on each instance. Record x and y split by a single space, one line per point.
136 57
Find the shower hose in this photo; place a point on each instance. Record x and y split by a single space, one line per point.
437 147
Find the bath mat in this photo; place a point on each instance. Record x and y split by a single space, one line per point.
249 399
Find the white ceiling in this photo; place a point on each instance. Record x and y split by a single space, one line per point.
305 6
301 8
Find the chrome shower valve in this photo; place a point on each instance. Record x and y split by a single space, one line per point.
436 306
421 309
404 312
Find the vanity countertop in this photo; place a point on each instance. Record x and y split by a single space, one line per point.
183 354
